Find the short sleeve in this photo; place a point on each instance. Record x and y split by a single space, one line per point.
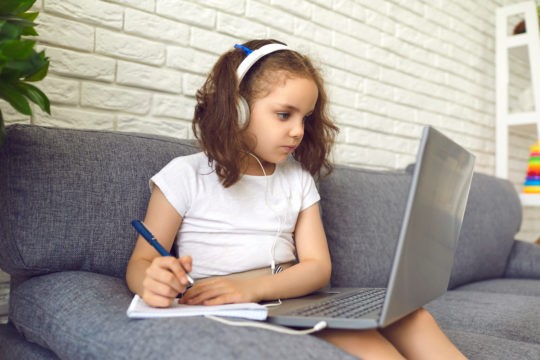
176 182
310 194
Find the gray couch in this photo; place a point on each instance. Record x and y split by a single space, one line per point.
66 201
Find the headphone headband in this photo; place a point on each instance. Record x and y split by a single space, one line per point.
255 55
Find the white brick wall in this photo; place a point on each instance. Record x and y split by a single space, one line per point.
391 66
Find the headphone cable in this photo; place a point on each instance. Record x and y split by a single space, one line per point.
280 329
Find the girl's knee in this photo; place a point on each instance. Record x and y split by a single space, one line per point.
424 314
421 317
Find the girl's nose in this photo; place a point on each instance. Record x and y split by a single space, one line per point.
297 131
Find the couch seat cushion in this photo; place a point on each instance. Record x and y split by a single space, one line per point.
485 347
500 315
529 287
82 315
14 346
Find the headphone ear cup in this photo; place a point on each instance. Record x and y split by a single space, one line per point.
243 111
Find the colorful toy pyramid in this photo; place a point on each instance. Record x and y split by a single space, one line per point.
532 183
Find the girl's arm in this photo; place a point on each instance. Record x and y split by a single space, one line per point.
311 273
314 266
158 279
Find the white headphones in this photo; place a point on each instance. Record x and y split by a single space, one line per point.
252 57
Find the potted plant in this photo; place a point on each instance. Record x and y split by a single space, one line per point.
19 62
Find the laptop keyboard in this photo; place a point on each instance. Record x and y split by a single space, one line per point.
354 305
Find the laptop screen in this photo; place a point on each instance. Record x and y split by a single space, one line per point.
431 224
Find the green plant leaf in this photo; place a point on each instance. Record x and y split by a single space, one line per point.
42 70
30 16
29 31
35 95
14 7
10 31
12 95
13 70
18 49
32 68
18 20
29 28
3 60
19 61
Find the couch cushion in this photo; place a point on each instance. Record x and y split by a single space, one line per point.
14 346
68 196
82 315
492 219
484 347
494 314
362 212
524 261
529 287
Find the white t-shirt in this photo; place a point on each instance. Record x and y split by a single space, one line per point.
228 230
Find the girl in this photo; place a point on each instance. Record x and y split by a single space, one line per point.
249 201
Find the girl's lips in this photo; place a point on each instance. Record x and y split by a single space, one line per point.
290 148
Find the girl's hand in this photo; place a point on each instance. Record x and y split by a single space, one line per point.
164 279
221 290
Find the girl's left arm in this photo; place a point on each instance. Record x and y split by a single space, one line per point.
314 265
311 273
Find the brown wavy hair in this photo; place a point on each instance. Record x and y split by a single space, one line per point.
216 125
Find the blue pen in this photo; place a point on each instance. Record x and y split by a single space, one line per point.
147 235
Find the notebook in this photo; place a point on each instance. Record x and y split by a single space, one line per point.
139 310
424 253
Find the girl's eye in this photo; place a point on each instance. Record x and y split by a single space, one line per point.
283 115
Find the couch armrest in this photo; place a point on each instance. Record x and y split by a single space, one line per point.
524 261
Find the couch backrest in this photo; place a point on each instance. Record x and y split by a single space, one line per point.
362 213
67 198
363 210
492 219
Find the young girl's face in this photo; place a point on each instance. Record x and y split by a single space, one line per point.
277 119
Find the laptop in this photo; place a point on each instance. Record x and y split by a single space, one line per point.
424 253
